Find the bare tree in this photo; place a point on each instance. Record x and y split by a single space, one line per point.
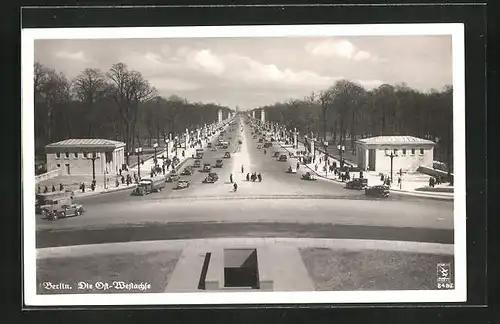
89 86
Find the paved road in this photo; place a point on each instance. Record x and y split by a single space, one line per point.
281 198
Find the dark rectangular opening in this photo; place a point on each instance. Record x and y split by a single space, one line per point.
240 268
204 270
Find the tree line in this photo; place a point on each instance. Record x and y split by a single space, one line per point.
118 104
347 111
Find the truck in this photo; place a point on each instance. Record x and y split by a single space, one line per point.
47 200
149 185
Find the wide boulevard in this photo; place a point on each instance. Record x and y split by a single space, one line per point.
281 205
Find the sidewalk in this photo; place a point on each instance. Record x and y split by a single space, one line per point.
413 183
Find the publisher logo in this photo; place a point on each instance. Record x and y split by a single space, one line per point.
444 276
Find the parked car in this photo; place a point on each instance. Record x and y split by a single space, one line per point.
67 211
227 155
197 164
219 163
149 185
357 183
291 170
282 158
308 176
378 191
182 184
187 171
207 167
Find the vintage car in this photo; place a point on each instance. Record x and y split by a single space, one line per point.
207 167
187 171
51 206
282 158
378 191
199 155
197 164
357 183
308 176
291 170
44 200
219 163
66 211
276 154
227 155
182 184
211 178
172 177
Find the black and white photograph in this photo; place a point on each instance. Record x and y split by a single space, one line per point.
244 164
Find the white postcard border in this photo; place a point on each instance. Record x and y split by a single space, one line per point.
459 294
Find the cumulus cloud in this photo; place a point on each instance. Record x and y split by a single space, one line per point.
339 48
78 56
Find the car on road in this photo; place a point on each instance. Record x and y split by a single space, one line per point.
291 170
377 191
225 146
182 184
207 167
282 158
211 178
44 200
219 163
172 177
357 183
197 164
227 155
187 171
213 149
309 176
67 211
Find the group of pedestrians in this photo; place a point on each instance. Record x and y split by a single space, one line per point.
254 177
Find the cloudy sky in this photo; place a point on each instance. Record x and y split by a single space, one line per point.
252 72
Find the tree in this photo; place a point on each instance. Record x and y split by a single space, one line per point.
89 86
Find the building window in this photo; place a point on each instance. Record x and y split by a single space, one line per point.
85 154
58 155
58 165
412 151
76 155
421 151
67 154
395 151
404 151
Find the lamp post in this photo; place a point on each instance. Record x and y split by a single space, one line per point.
341 149
94 156
138 151
392 156
155 146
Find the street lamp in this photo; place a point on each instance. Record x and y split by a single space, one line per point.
94 156
155 146
341 149
138 151
392 156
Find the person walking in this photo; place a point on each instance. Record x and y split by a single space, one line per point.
53 188
231 177
235 187
242 169
248 176
298 165
61 187
259 176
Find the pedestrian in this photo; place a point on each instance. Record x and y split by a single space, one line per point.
382 177
399 181
235 187
120 171
430 182
260 177
123 179
315 167
298 165
83 187
53 188
242 169
248 176
39 189
128 180
61 187
231 177
117 183
152 174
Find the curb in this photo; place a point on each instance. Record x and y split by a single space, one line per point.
393 191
